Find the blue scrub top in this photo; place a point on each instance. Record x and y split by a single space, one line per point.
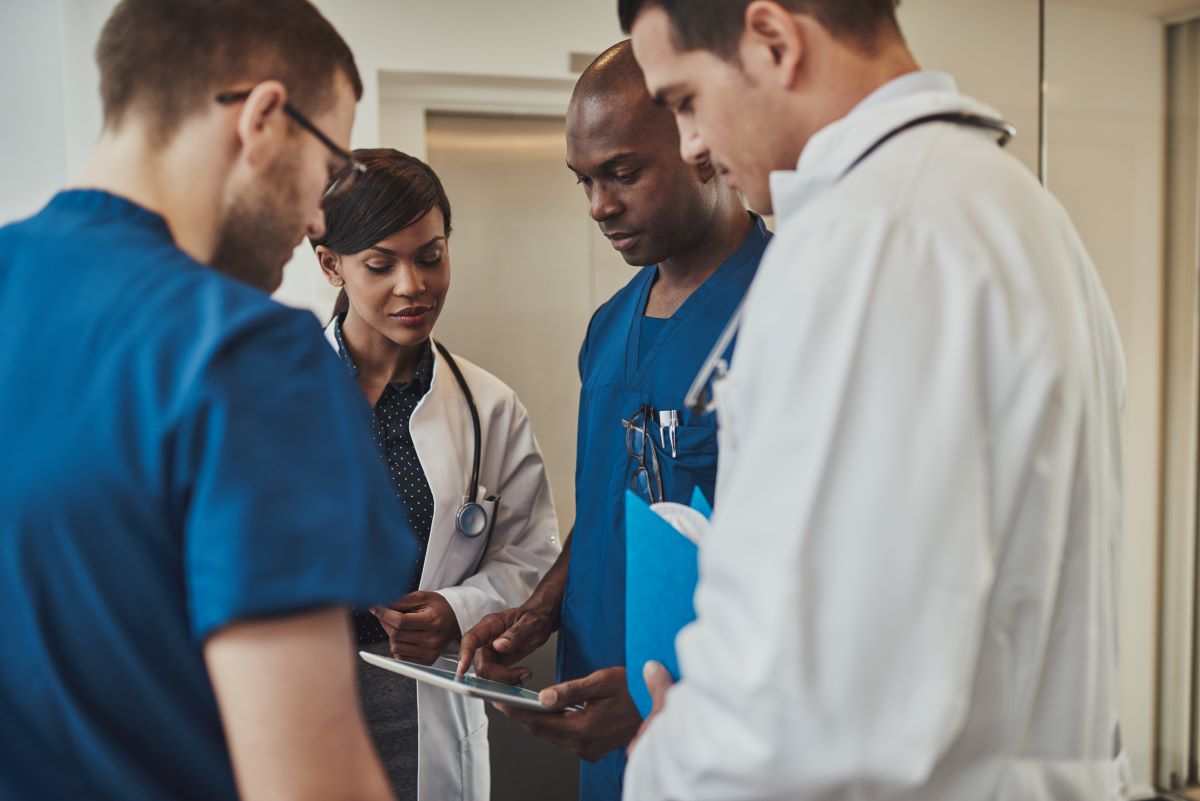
616 382
180 453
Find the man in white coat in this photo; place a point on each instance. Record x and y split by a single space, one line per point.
910 590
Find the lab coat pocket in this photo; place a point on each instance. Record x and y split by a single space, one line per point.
694 463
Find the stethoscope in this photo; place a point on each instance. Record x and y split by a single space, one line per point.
699 399
475 517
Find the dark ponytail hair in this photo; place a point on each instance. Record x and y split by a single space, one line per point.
396 191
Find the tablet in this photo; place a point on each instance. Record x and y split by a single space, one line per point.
467 685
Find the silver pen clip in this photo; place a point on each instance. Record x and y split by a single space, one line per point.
668 421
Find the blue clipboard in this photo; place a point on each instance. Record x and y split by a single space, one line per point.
661 571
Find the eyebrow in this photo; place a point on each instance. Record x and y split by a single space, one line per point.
659 98
609 163
395 255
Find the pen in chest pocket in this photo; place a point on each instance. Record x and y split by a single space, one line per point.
668 421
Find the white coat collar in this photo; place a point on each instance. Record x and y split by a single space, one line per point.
833 149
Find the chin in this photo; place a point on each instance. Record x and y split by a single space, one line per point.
642 257
407 337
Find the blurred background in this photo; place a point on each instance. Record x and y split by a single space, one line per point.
1105 94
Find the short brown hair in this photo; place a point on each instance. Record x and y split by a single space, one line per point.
716 25
168 58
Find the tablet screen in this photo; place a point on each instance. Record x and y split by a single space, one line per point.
477 683
467 685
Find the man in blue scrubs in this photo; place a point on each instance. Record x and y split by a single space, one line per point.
191 499
643 348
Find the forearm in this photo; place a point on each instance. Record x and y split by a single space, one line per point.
286 690
547 599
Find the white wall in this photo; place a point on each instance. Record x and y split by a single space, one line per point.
1106 140
33 140
50 96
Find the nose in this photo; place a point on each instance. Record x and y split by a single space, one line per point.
603 204
408 283
692 148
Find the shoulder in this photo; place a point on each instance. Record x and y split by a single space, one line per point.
213 314
938 195
949 177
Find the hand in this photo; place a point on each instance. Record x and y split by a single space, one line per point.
607 721
658 681
501 639
420 626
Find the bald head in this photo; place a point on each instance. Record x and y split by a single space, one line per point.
613 70
615 81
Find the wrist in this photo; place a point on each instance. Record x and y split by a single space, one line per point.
545 604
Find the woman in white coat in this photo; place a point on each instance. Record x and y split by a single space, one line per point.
387 246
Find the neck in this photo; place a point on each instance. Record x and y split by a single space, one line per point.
846 76
692 266
170 181
379 359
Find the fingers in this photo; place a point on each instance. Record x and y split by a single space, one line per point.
465 655
412 601
424 652
388 617
601 684
495 671
658 681
422 619
479 637
570 730
525 634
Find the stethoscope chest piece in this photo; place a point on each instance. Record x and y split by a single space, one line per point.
473 519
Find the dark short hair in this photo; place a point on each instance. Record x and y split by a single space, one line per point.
168 58
396 191
716 25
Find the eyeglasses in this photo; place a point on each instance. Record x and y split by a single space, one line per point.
351 168
647 478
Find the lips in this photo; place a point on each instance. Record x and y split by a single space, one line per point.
622 240
412 316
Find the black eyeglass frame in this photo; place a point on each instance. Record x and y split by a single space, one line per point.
653 471
344 178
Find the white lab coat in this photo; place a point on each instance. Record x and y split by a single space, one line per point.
911 587
452 738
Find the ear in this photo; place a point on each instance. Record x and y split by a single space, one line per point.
330 266
262 124
772 44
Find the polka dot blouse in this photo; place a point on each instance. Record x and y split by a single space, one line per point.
390 417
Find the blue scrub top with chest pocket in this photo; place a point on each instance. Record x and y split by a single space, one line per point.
621 374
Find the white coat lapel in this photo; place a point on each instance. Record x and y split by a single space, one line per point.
442 435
